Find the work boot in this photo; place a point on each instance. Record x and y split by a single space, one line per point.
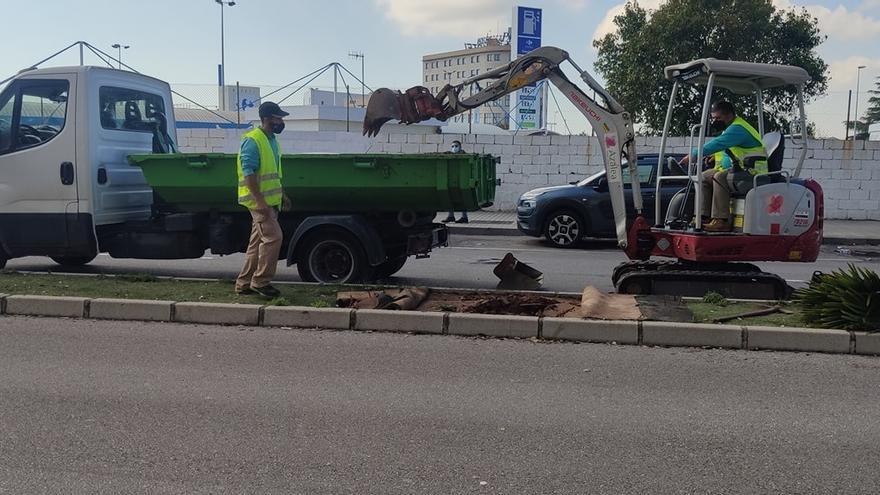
704 221
449 219
462 220
717 225
267 291
244 291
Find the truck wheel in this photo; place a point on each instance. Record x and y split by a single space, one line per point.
73 260
390 267
333 257
564 228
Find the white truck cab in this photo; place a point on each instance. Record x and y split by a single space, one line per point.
65 133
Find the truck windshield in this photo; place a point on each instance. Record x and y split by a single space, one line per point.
130 110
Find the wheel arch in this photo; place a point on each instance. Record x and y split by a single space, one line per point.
565 204
356 225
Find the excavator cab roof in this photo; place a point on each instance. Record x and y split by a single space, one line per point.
738 77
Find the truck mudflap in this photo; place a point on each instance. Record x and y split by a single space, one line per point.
420 244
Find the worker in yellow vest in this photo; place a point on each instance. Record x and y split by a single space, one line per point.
259 190
738 140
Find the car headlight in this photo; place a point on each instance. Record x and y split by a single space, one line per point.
528 204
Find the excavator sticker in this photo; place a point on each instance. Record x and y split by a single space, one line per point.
774 205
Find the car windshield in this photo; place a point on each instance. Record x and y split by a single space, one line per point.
589 180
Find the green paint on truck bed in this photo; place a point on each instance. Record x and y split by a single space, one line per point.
330 182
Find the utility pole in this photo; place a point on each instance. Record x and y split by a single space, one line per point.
360 55
119 47
222 77
858 80
848 105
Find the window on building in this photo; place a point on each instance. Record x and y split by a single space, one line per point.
478 59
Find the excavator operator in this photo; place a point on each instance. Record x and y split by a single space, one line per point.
737 140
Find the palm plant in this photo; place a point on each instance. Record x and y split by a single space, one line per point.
847 299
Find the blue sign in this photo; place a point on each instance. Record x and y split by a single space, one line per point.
528 22
529 102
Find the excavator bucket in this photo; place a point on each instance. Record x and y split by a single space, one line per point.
384 105
415 105
516 275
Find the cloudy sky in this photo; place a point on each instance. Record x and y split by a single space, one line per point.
272 42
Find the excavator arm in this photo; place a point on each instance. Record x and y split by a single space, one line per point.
609 120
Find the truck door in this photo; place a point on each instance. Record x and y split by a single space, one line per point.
38 166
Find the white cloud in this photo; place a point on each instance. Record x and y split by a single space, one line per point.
451 17
843 73
465 18
606 25
844 24
840 23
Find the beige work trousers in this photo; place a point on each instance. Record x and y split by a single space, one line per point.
261 258
716 194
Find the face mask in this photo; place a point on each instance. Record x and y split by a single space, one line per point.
456 149
278 128
718 125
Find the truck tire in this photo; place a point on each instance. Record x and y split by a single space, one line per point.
73 260
332 257
390 267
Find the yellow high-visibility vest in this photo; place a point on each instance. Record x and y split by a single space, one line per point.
268 175
740 152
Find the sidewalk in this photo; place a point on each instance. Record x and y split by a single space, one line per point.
504 223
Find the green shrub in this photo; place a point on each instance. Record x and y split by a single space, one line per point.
715 298
846 299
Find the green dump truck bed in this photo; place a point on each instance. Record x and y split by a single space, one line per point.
330 182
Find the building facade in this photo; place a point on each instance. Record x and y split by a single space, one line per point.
440 69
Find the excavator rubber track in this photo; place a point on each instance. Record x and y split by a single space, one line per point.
681 281
676 265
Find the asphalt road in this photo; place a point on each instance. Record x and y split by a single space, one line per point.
125 407
467 263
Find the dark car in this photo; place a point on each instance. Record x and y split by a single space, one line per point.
566 214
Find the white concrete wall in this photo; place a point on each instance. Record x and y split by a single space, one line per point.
848 171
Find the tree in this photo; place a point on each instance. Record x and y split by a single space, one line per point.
632 58
872 115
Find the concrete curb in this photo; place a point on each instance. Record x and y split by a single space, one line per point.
493 325
867 343
131 309
399 321
70 307
217 314
796 339
691 334
302 317
621 332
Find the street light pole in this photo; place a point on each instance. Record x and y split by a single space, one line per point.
119 47
360 55
856 121
223 3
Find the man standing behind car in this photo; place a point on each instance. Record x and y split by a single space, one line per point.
259 190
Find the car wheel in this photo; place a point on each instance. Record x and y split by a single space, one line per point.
73 260
333 257
564 228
